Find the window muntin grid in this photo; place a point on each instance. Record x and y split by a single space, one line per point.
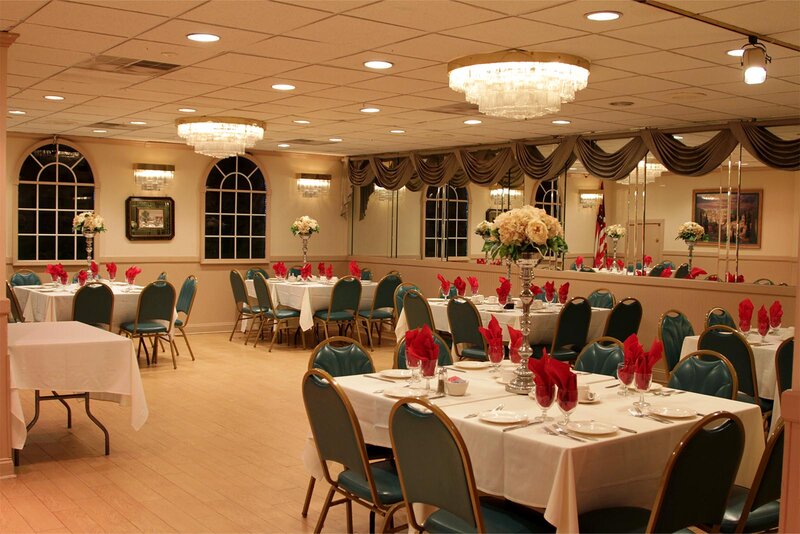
548 198
55 183
446 222
235 199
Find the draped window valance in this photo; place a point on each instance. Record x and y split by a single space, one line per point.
487 166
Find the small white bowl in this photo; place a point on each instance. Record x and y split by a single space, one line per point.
457 389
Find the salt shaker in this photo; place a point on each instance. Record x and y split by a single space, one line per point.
442 378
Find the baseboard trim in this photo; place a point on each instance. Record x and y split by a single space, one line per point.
7 468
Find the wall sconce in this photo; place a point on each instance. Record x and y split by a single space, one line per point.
502 195
153 177
385 195
312 185
589 198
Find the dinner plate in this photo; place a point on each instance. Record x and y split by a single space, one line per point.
396 373
45 289
494 309
593 401
595 428
467 364
673 412
400 392
503 417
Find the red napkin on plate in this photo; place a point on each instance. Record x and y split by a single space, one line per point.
549 290
745 314
461 286
763 321
493 336
620 265
355 270
321 269
329 271
609 262
667 272
131 274
481 261
279 269
514 343
444 290
563 292
542 379
775 314
111 267
305 271
535 289
503 290
421 347
473 284
567 383
579 262
647 260
95 268
82 276
696 271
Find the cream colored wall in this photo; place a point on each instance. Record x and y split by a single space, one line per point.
409 229
372 234
580 222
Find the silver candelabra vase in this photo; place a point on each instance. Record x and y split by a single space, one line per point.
89 247
522 383
690 244
616 242
305 238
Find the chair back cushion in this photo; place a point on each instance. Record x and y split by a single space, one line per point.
657 270
784 364
683 271
342 361
157 302
719 316
673 328
384 293
366 274
705 372
602 356
601 298
238 288
624 319
768 488
734 347
399 296
93 304
262 292
25 278
464 322
445 357
251 273
186 295
417 311
573 325
346 295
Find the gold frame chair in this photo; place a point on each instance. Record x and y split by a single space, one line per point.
353 321
711 354
113 301
158 336
16 311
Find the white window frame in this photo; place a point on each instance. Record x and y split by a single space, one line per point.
442 199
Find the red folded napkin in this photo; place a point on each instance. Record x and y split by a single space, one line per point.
563 292
763 321
497 262
745 314
667 272
647 260
775 314
514 343
494 339
598 259
305 271
481 261
620 265
111 267
280 269
355 270
639 272
63 277
638 361
421 347
461 286
713 278
503 290
542 379
329 271
473 284
444 290
52 270
321 269
535 289
579 262
632 350
131 274
549 290
567 383
609 263
730 277
696 271
82 276
95 268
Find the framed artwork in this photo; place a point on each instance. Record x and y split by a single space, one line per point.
149 218
720 216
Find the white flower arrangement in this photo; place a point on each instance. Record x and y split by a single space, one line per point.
304 225
615 231
88 221
526 229
690 231
484 229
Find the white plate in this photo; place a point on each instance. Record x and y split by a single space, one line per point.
45 289
503 417
396 373
595 401
494 309
467 364
399 393
592 427
675 412
655 387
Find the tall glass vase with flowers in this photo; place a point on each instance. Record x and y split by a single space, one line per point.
691 232
303 227
89 224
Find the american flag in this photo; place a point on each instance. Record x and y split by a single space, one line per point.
600 245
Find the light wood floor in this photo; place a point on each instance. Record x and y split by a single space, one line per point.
220 452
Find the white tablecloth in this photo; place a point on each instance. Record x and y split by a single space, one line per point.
543 321
560 475
309 297
71 356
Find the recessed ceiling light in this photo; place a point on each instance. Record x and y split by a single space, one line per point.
301 121
621 103
284 145
678 137
736 52
561 121
369 110
397 131
378 64
17 112
603 16
100 131
187 110
283 87
137 123
203 37
335 139
53 97
472 121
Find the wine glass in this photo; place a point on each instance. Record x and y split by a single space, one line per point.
763 329
414 366
130 281
544 397
642 381
567 402
625 376
496 354
428 368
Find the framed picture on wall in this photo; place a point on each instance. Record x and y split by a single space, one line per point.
720 215
149 218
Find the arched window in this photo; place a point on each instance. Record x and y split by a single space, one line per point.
548 198
55 184
446 222
235 211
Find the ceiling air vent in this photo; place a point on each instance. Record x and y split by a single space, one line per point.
307 142
126 65
114 126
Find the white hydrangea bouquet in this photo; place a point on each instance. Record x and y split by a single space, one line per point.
526 229
690 231
88 222
304 225
615 231
484 229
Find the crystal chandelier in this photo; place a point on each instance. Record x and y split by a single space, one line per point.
517 84
152 177
648 173
220 137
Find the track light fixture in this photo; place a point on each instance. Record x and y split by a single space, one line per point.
754 62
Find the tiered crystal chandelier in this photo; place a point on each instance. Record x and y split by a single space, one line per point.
220 137
648 172
517 84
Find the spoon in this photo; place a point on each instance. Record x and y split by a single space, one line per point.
475 414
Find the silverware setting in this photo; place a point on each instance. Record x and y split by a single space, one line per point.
612 386
523 425
554 433
475 414
561 430
637 412
668 393
601 381
379 378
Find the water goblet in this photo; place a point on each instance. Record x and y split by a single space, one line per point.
642 381
428 371
130 284
414 366
567 402
544 396
763 329
625 376
496 355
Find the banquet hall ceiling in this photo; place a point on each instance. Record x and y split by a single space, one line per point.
673 70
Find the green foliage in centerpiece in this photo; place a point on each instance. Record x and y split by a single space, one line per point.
525 229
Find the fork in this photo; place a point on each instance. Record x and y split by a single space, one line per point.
475 414
564 432
554 433
637 412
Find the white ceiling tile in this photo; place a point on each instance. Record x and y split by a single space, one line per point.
352 94
654 63
703 76
45 55
177 87
571 15
413 102
442 93
330 75
59 87
27 68
38 95
514 7
595 47
781 16
301 86
305 50
691 96
134 93
249 64
402 85
188 103
256 15
239 94
338 6
18 10
121 105
92 18
401 63
513 32
197 74
771 85
437 47
636 85
350 30
792 98
784 66
65 39
176 30
431 15
161 52
690 32
154 7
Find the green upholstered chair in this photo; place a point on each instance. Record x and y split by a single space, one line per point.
705 372
25 277
366 274
94 305
757 509
465 320
732 344
683 271
275 316
338 438
154 315
721 316
602 298
251 273
673 328
295 270
382 309
445 357
244 311
784 363
162 276
572 328
343 307
764 282
417 310
399 294
668 263
442 476
624 319
16 311
184 310
656 270
601 356
694 487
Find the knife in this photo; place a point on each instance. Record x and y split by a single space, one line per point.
523 425
632 431
379 378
